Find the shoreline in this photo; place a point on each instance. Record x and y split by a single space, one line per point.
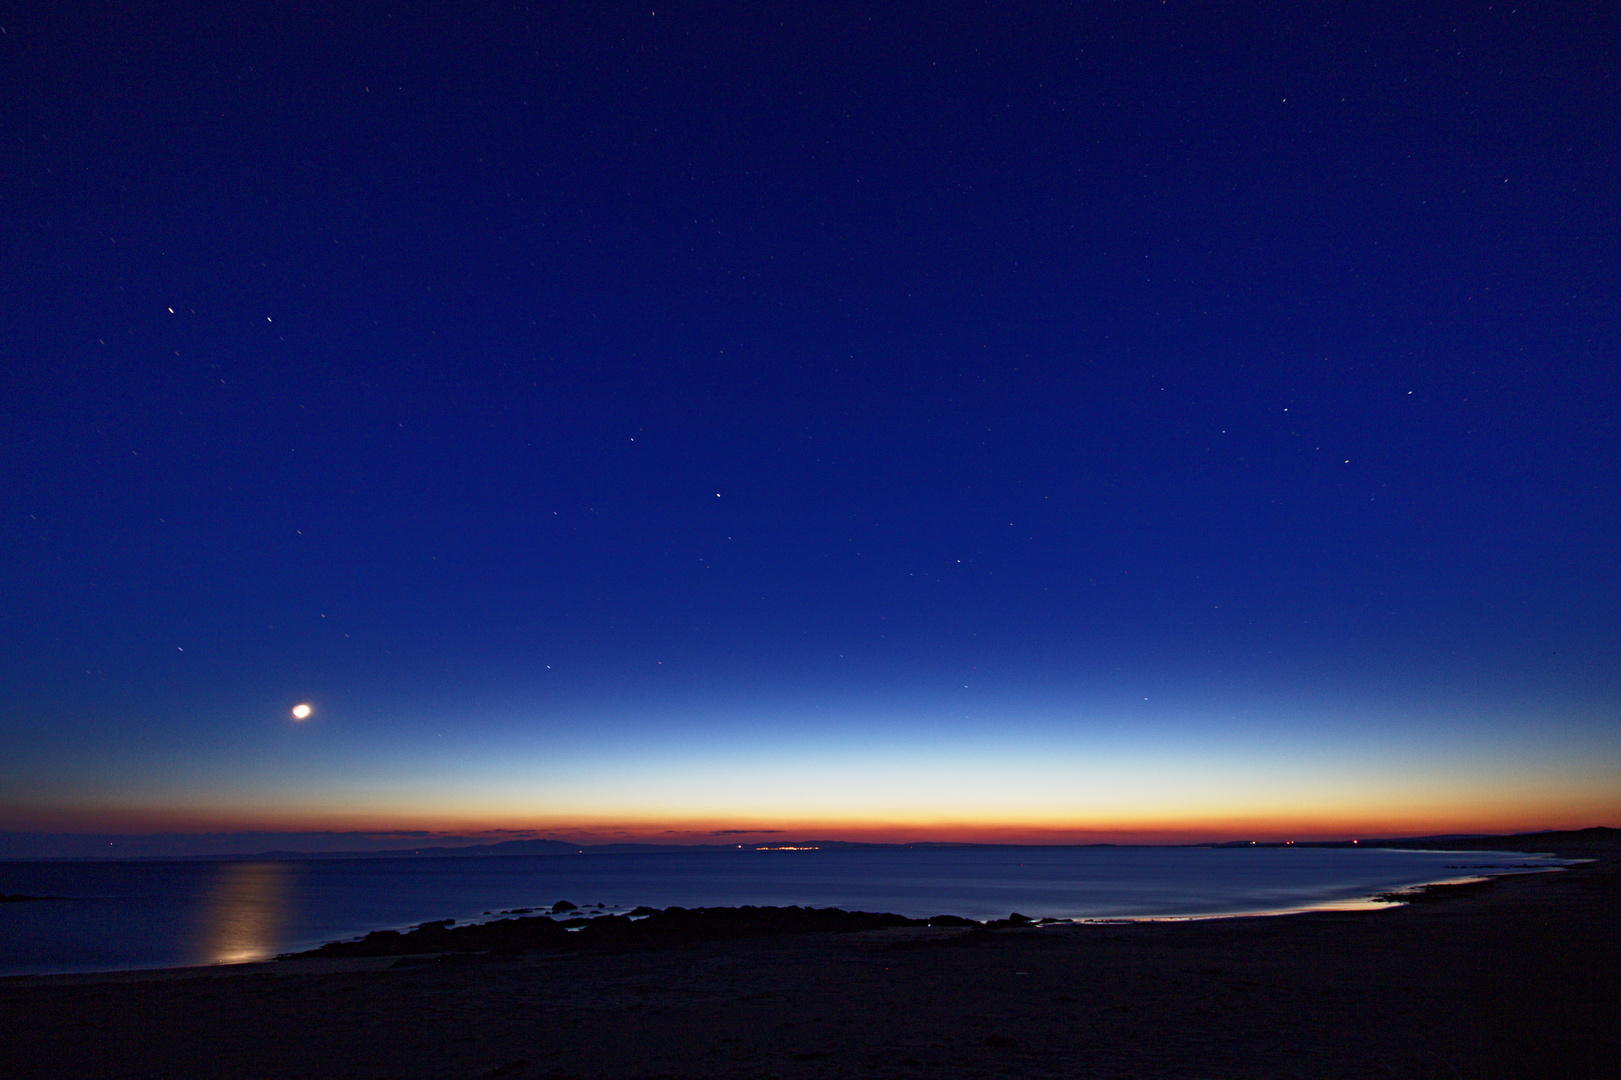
311 962
508 932
505 934
1517 976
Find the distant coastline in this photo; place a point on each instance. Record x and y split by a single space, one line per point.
1542 840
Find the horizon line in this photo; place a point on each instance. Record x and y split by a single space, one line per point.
485 847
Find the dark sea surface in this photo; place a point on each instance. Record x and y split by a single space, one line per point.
122 915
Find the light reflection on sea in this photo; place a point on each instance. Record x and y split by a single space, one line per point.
245 911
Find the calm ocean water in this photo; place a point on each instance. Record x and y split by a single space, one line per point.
120 915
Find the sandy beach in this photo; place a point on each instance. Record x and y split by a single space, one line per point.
1513 978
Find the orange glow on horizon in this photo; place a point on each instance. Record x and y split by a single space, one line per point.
1211 828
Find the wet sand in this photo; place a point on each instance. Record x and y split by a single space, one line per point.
1519 977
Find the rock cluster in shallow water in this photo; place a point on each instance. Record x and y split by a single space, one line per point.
652 926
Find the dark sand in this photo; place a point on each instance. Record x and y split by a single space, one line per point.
1515 978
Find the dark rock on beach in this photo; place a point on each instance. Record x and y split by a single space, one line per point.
675 924
950 920
695 924
1012 920
441 937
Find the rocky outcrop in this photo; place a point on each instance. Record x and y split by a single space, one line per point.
654 926
502 935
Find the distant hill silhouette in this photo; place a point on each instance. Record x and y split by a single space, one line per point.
560 847
1550 840
504 847
1546 840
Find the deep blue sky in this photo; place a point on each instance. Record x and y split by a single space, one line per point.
1022 417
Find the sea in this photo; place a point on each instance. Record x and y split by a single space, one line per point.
117 915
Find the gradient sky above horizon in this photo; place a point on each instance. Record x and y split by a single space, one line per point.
1041 423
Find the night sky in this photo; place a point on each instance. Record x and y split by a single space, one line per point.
1051 423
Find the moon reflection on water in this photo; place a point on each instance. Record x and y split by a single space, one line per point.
246 909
